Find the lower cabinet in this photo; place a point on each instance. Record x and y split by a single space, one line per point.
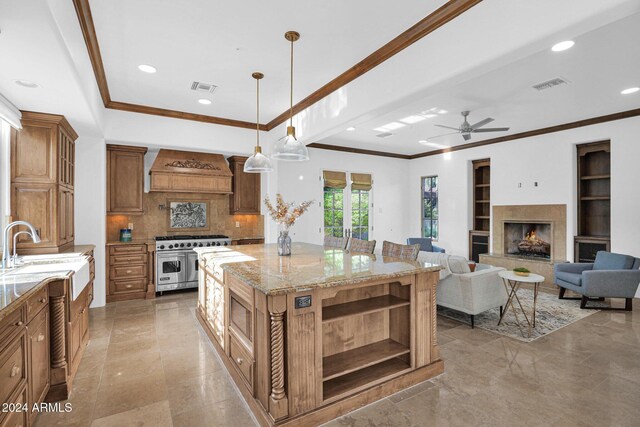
38 330
128 271
24 361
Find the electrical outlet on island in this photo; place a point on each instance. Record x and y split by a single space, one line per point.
237 224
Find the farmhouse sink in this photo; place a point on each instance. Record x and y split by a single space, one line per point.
79 266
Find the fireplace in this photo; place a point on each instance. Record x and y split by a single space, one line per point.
528 239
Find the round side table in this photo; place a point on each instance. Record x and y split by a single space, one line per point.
512 283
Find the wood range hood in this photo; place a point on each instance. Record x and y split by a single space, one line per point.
188 172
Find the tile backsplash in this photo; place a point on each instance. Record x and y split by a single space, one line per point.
155 220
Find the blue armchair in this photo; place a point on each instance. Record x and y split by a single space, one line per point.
610 276
425 244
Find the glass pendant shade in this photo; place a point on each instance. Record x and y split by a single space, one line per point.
289 148
258 163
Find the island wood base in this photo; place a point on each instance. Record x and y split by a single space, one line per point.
331 411
307 357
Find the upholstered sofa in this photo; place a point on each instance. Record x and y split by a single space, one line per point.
611 275
460 289
426 244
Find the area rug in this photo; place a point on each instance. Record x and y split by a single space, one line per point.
551 314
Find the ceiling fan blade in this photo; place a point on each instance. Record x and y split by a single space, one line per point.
444 134
482 123
447 127
491 130
466 136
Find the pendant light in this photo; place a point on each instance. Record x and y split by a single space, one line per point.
258 162
288 147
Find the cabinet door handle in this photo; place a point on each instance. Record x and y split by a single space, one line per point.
239 360
15 371
128 286
128 271
19 323
43 300
40 337
83 310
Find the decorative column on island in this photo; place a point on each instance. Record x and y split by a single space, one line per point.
324 332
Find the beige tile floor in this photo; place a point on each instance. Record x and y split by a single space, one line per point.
148 364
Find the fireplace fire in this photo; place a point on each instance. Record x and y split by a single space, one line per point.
528 239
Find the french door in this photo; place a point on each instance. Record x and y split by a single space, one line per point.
347 212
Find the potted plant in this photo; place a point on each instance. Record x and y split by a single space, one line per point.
521 271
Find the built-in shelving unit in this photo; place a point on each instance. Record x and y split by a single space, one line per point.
359 307
351 361
594 195
479 236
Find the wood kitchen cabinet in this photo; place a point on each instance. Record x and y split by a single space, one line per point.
129 272
245 199
125 179
42 181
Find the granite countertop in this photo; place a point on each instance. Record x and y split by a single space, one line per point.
17 288
79 249
309 266
247 238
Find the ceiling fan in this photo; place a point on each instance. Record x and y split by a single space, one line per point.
466 129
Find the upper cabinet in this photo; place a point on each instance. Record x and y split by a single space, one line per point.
42 180
125 179
245 199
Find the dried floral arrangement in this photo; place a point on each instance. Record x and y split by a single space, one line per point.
284 213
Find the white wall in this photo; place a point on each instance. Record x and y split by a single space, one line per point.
90 206
548 159
389 215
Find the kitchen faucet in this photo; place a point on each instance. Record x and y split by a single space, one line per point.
7 262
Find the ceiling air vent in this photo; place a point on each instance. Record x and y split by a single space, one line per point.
384 135
550 83
203 87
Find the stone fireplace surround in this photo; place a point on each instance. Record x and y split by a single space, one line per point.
555 215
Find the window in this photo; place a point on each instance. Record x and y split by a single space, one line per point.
333 211
360 214
430 207
5 178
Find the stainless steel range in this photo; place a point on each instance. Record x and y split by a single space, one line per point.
177 263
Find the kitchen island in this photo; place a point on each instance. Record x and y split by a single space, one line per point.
310 337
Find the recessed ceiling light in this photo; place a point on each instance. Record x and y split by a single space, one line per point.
389 126
147 68
351 129
630 90
432 144
204 101
442 111
412 119
429 116
559 47
26 83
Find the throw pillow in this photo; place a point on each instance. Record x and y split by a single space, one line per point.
459 265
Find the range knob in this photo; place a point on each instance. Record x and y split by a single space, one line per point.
182 245
188 245
200 245
208 243
217 243
161 246
226 243
170 246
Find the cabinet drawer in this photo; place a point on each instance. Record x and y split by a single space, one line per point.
18 418
126 286
128 259
128 249
242 361
127 272
13 360
11 324
37 303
